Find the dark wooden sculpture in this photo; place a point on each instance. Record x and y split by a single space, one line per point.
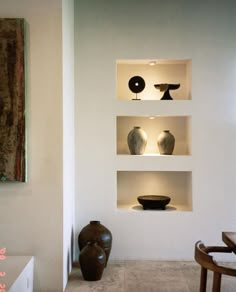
166 88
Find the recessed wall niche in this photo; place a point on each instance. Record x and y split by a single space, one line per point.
154 72
175 184
152 173
179 126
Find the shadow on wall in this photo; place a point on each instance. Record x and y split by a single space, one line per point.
70 252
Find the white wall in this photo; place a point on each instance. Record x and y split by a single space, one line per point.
31 214
203 31
68 136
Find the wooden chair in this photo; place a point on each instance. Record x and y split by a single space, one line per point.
208 263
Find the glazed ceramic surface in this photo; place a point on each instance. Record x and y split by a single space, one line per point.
137 141
92 261
166 143
96 232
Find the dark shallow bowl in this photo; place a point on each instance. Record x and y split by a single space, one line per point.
154 202
167 86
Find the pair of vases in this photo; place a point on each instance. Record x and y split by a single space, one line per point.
95 242
137 141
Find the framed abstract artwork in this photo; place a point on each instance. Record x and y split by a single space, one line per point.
12 100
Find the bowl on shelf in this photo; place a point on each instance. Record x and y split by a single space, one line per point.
153 202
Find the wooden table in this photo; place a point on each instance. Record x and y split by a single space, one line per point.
229 239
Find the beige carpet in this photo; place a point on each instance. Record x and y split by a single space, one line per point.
147 276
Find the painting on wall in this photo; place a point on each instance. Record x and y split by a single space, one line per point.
12 100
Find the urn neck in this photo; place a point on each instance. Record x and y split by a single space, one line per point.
94 222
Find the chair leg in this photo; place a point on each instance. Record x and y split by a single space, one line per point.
203 280
216 282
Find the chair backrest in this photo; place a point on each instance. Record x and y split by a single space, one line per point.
207 261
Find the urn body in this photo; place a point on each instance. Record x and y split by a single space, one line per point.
92 261
166 142
137 141
97 232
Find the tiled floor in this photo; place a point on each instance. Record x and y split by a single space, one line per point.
147 276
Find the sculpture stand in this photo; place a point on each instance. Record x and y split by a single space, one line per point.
166 87
166 95
136 97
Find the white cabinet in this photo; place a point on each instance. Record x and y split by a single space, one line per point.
152 173
18 273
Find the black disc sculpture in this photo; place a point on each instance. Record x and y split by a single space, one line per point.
136 85
166 87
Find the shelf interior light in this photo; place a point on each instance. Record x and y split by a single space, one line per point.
152 63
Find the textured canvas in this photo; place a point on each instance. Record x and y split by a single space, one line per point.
12 101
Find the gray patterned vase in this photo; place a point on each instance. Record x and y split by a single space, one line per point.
166 142
137 141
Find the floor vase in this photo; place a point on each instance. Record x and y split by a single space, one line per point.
92 261
96 232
